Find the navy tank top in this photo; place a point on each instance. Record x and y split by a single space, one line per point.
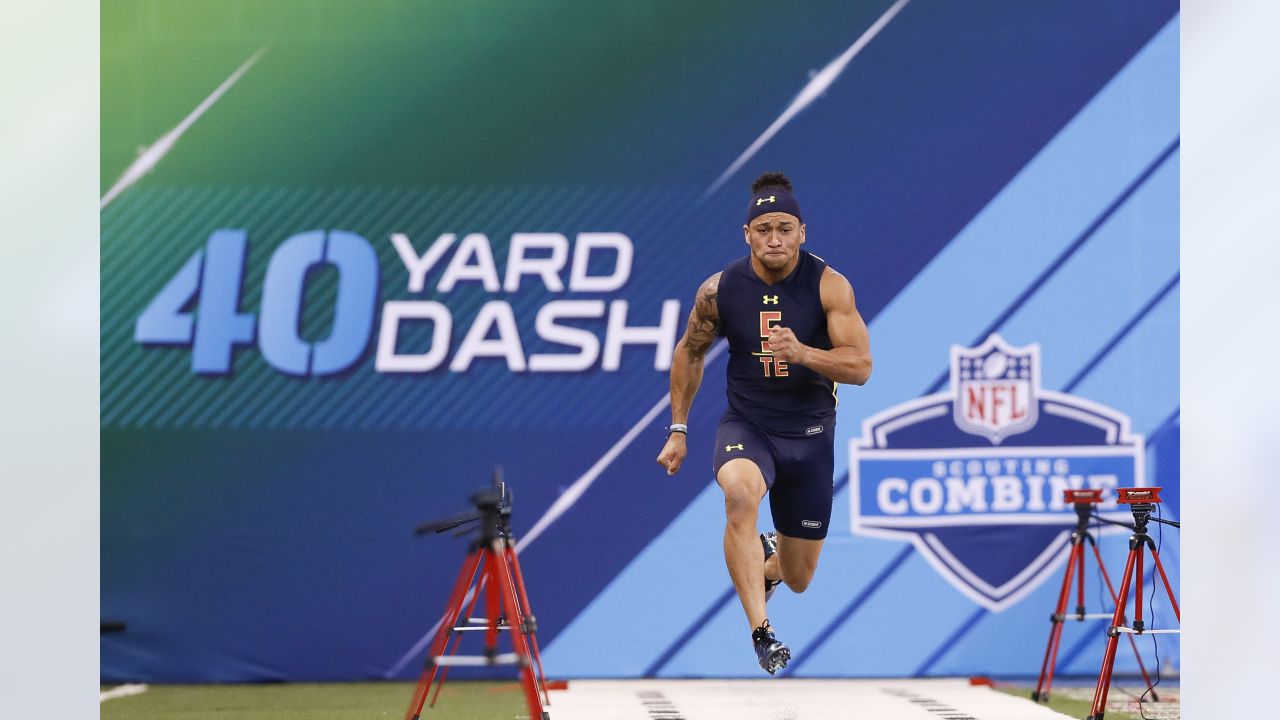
785 399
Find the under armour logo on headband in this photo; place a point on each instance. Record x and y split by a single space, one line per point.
778 200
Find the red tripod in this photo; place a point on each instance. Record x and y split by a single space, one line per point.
1083 500
491 568
1141 501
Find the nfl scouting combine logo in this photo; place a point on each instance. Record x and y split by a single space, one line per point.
973 476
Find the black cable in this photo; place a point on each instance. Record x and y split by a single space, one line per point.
1155 644
1159 520
1101 599
1102 603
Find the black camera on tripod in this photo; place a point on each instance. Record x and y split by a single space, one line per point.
491 572
492 508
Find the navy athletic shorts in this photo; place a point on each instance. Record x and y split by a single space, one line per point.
797 470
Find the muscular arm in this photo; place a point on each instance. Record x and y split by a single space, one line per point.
686 364
686 367
849 359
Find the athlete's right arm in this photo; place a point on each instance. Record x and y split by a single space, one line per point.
686 367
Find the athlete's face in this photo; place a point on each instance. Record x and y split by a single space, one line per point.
775 239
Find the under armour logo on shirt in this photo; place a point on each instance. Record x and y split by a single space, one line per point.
770 299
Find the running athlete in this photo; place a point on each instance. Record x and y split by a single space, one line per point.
794 332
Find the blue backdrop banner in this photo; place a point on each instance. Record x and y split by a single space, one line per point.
389 250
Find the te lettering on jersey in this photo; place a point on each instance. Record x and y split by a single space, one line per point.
772 367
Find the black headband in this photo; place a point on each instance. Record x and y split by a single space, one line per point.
773 199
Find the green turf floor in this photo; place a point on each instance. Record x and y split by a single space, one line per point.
1074 700
329 701
1064 704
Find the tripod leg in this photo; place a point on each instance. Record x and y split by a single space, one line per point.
502 577
457 640
513 559
1080 580
1133 644
1099 707
456 598
1138 622
1055 630
1078 553
493 600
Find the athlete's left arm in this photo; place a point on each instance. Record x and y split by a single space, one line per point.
849 359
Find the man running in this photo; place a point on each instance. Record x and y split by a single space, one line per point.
794 332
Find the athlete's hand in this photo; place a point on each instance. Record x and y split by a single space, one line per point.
672 455
785 346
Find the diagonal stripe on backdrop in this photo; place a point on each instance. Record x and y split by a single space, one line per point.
885 573
1066 254
821 81
154 154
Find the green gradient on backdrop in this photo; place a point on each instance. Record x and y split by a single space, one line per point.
450 92
354 101
152 387
449 97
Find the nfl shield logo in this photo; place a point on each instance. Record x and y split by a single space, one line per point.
973 476
995 388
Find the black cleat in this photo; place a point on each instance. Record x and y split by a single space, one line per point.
770 653
770 542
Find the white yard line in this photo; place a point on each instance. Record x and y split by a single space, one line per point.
121 691
794 699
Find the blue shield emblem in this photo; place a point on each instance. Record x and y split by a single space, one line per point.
973 476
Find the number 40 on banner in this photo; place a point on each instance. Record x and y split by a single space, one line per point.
211 281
